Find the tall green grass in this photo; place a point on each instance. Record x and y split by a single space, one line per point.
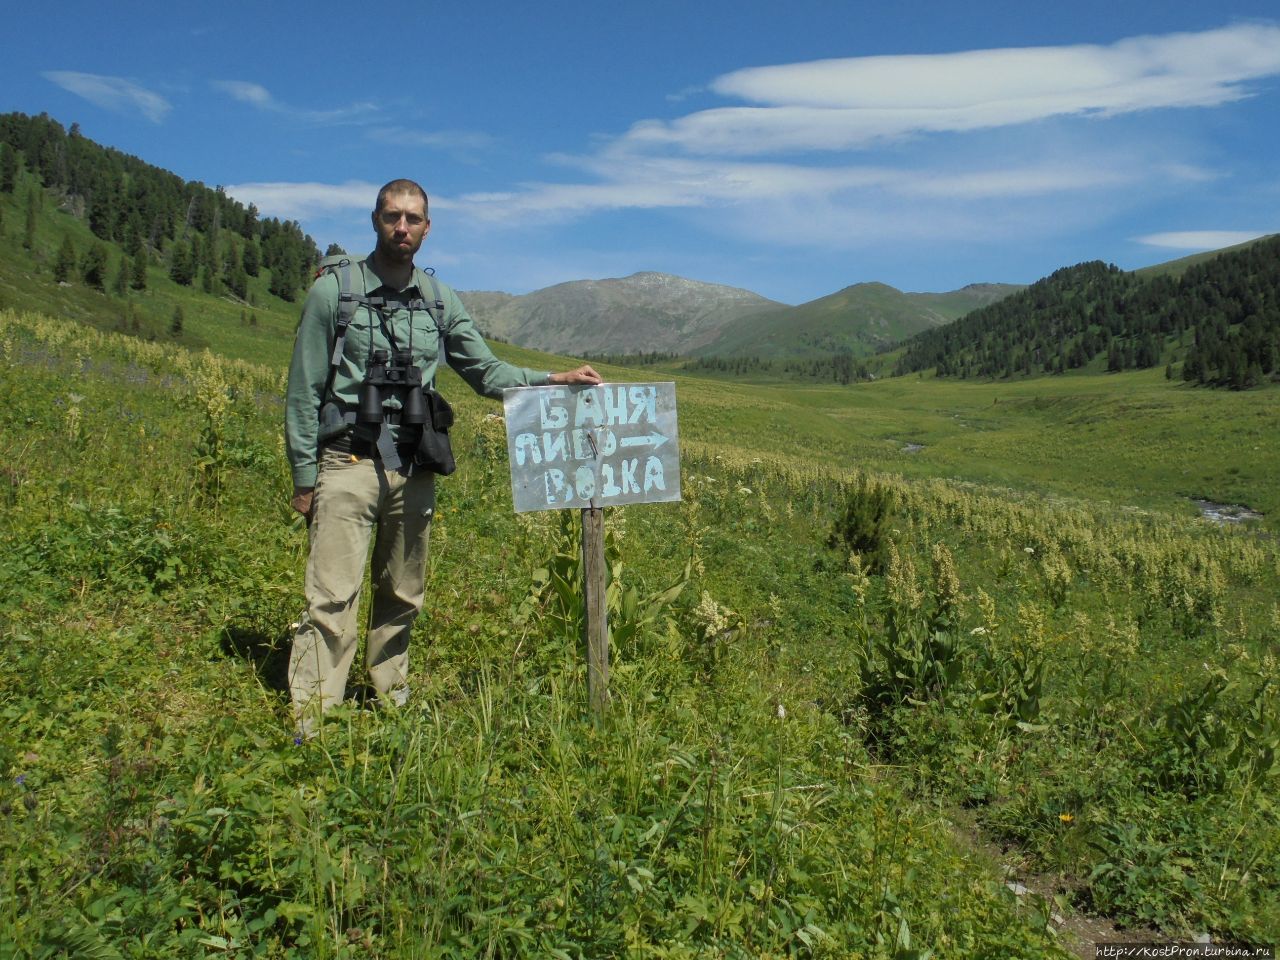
155 803
788 733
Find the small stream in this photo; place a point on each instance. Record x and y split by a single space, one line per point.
1225 513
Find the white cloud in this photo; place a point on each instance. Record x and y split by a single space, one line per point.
246 92
299 201
800 160
650 182
1200 239
857 102
855 105
260 97
112 93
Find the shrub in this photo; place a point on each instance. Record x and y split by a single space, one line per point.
864 526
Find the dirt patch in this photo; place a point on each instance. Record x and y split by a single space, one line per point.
1079 933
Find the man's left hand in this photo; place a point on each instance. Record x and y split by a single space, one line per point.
583 374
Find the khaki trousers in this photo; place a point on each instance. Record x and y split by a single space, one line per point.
351 498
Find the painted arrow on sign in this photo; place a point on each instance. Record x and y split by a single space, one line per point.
650 439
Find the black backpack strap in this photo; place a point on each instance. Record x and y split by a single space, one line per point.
436 309
347 304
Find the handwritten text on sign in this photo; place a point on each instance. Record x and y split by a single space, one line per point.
599 446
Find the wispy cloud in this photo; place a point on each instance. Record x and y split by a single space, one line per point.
260 97
849 153
828 116
1200 239
112 93
854 103
300 201
683 182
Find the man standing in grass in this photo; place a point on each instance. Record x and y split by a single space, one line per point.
350 477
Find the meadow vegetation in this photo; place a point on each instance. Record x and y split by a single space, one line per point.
824 651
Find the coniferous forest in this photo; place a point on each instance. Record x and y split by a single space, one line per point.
201 236
1220 320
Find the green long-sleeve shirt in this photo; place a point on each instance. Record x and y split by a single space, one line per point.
465 351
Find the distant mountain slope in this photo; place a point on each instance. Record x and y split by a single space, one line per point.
1219 317
860 319
1176 268
642 313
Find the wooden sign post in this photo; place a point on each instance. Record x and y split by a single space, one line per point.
594 586
591 447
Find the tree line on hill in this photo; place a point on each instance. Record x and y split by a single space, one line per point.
202 236
1220 319
838 367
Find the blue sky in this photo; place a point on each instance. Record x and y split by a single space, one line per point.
789 148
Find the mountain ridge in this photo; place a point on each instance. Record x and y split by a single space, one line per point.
652 312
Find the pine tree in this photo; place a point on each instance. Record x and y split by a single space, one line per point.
175 325
66 261
252 258
182 268
29 234
121 285
237 282
93 268
138 275
8 169
284 276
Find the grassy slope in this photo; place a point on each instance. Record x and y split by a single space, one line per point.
103 505
151 796
1132 439
863 318
26 283
1176 268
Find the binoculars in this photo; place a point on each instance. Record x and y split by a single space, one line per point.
397 374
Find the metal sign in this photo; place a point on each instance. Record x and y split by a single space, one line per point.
592 446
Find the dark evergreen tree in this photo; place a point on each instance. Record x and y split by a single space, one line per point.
138 274
65 261
93 268
237 282
182 266
175 324
29 232
252 258
8 168
284 276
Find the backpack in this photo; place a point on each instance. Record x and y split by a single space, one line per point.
433 449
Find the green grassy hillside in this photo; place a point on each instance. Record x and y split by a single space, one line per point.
862 319
1176 268
832 645
259 328
1133 439
891 628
